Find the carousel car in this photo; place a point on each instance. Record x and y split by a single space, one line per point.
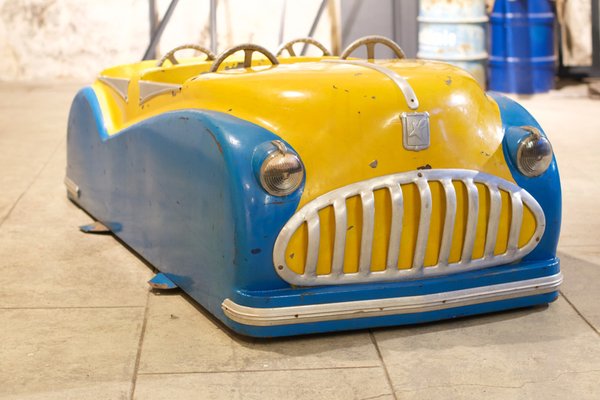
292 194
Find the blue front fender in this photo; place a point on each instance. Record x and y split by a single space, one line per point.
544 188
179 189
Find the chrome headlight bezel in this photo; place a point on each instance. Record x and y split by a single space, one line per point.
534 153
281 172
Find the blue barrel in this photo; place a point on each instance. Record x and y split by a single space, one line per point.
454 31
522 47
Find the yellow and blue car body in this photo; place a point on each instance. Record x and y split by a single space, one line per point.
294 195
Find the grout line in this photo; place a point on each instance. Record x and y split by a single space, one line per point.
33 180
68 308
138 355
387 373
257 370
579 313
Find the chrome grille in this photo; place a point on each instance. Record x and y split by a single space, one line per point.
392 183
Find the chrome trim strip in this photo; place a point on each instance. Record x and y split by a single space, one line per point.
255 316
309 214
119 85
424 222
314 237
446 244
493 221
368 226
515 222
471 229
341 223
72 187
149 89
409 94
396 227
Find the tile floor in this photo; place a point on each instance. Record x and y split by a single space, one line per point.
77 320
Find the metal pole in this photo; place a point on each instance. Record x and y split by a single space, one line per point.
282 22
313 28
595 38
159 31
348 24
153 23
213 26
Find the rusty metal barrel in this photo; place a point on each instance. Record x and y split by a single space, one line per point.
454 31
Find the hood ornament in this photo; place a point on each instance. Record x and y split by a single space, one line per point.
415 131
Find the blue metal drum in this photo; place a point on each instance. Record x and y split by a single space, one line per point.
522 46
455 32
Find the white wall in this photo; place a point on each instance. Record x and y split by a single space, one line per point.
75 39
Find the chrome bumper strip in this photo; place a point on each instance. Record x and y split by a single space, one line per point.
255 316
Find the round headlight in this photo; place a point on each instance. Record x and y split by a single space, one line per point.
281 172
534 153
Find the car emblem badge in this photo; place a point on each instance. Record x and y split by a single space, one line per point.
415 131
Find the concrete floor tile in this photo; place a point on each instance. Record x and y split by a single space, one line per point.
47 262
68 353
581 267
180 338
331 384
508 354
29 134
554 387
581 214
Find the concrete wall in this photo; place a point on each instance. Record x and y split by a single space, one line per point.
75 39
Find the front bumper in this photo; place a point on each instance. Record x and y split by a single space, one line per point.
334 308
395 306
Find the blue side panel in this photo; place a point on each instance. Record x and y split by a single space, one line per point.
545 188
179 189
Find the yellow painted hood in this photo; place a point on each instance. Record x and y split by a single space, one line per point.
344 120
